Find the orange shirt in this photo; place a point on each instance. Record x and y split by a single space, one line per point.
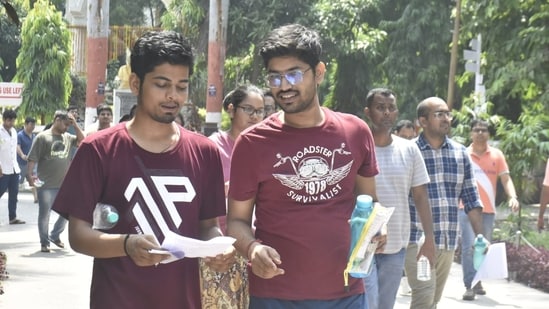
487 168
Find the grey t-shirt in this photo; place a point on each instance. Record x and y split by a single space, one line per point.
52 154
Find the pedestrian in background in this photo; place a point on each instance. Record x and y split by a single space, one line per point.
405 129
451 180
489 164
50 153
73 111
300 169
270 104
104 119
24 143
9 168
245 107
161 178
401 172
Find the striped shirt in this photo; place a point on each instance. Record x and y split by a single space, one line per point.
451 174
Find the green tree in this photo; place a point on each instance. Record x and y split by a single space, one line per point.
136 14
352 45
10 41
515 60
515 65
418 51
404 45
249 22
43 64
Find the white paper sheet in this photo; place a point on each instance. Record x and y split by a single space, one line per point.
494 265
180 246
365 255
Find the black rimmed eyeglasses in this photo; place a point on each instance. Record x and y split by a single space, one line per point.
250 111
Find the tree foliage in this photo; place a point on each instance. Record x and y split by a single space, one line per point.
515 65
515 40
43 63
418 51
136 14
404 45
10 41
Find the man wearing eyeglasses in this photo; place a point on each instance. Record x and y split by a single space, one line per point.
451 174
300 169
488 164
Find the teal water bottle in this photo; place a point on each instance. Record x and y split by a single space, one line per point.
479 251
359 217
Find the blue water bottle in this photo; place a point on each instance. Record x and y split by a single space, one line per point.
359 217
479 251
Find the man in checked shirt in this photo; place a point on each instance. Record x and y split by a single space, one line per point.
452 180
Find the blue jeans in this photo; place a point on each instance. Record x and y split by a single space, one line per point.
45 202
381 290
11 184
467 241
351 302
23 175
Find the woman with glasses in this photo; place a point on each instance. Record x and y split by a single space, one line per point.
245 107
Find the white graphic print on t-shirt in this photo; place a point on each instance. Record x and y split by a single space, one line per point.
315 176
168 199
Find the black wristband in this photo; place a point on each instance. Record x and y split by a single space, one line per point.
125 243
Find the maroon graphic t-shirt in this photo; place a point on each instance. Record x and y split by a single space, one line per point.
153 193
304 183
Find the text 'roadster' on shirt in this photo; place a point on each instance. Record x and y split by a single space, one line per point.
303 181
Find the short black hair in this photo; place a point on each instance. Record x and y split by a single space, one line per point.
155 48
103 107
483 123
236 96
292 40
60 114
386 92
9 114
30 120
404 123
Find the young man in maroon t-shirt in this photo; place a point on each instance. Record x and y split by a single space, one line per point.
161 178
300 169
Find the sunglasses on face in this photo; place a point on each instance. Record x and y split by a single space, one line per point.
293 77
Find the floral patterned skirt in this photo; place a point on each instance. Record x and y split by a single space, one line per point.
228 290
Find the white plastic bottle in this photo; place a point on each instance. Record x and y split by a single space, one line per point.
423 265
104 217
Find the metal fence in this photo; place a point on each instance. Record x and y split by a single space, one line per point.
120 39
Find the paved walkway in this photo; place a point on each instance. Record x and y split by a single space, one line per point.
61 279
